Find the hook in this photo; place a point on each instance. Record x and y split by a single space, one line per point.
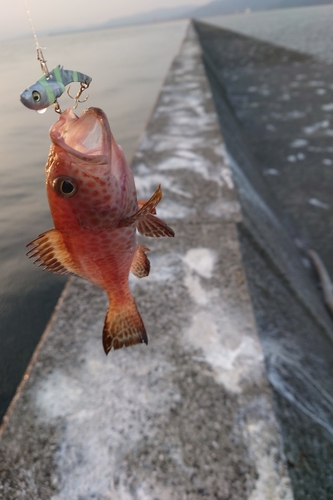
56 107
83 87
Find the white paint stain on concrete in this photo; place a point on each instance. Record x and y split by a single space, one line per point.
316 83
233 365
174 210
60 396
297 157
271 171
224 209
187 160
100 424
195 289
327 107
163 268
295 114
299 143
202 261
233 355
311 129
317 203
273 482
147 184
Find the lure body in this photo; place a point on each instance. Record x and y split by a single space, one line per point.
51 86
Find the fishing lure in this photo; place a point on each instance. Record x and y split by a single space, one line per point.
51 86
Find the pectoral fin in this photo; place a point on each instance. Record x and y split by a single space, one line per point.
140 265
141 203
50 250
146 222
145 209
154 227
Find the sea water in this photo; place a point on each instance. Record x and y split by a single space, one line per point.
128 66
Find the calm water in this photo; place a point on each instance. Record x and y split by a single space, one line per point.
128 66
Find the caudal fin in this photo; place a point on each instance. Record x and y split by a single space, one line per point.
123 326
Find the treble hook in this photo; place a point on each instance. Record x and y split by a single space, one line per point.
83 87
56 107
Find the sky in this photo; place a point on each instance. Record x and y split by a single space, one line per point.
51 15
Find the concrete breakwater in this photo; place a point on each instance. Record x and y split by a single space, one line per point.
191 415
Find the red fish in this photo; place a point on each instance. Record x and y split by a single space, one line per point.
96 213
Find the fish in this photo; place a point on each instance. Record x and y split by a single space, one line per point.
50 86
96 214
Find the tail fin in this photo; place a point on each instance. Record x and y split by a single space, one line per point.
123 326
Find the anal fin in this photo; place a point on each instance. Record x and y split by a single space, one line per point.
123 326
50 250
140 265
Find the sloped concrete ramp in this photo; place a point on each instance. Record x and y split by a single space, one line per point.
283 217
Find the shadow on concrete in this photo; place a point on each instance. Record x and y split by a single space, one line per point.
274 111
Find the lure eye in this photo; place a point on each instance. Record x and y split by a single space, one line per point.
36 96
65 187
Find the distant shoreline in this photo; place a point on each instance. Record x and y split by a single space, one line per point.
124 22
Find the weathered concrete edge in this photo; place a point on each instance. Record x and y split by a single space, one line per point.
192 177
35 355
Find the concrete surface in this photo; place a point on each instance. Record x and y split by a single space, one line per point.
267 106
191 415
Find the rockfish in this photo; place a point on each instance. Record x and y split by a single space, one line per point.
93 203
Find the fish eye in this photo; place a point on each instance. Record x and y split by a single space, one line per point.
36 96
65 187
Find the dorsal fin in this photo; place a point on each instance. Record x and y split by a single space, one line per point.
50 250
140 265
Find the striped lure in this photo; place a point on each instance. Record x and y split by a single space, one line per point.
51 86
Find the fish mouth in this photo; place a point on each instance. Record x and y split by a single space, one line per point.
87 138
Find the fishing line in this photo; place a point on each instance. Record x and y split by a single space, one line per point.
39 53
